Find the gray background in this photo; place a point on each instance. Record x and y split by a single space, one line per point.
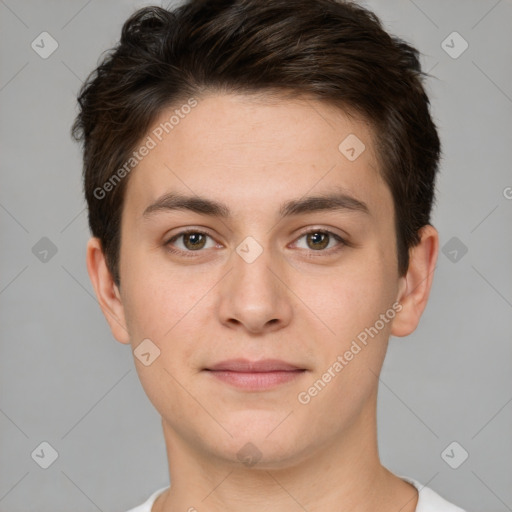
66 381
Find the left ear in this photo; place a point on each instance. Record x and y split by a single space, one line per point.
416 284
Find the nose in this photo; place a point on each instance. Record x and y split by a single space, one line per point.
254 296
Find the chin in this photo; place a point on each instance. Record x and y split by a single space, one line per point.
263 449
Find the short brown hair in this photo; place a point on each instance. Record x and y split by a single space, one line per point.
334 51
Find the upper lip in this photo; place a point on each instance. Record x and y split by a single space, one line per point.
246 366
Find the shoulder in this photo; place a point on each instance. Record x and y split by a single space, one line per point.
148 504
429 500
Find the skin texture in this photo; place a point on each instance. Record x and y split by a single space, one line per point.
299 304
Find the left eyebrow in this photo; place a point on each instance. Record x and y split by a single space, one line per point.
205 206
335 201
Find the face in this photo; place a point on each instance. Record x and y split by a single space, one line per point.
248 234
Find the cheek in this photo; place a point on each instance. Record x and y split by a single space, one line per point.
150 294
155 309
353 296
165 304
160 307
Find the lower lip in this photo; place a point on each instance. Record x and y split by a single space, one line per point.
256 381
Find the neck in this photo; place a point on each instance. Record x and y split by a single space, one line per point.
345 474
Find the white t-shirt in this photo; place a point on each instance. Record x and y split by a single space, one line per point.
428 500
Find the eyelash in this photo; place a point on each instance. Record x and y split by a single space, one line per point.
189 253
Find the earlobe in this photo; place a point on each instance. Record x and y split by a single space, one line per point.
415 286
106 290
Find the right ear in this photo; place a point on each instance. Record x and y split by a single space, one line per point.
106 290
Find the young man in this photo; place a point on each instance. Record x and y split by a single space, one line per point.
259 177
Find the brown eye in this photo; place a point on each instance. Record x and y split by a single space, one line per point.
190 241
321 241
317 240
194 241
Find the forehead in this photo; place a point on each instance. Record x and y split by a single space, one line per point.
249 150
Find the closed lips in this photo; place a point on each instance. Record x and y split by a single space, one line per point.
246 366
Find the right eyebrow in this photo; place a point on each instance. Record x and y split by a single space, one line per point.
201 205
